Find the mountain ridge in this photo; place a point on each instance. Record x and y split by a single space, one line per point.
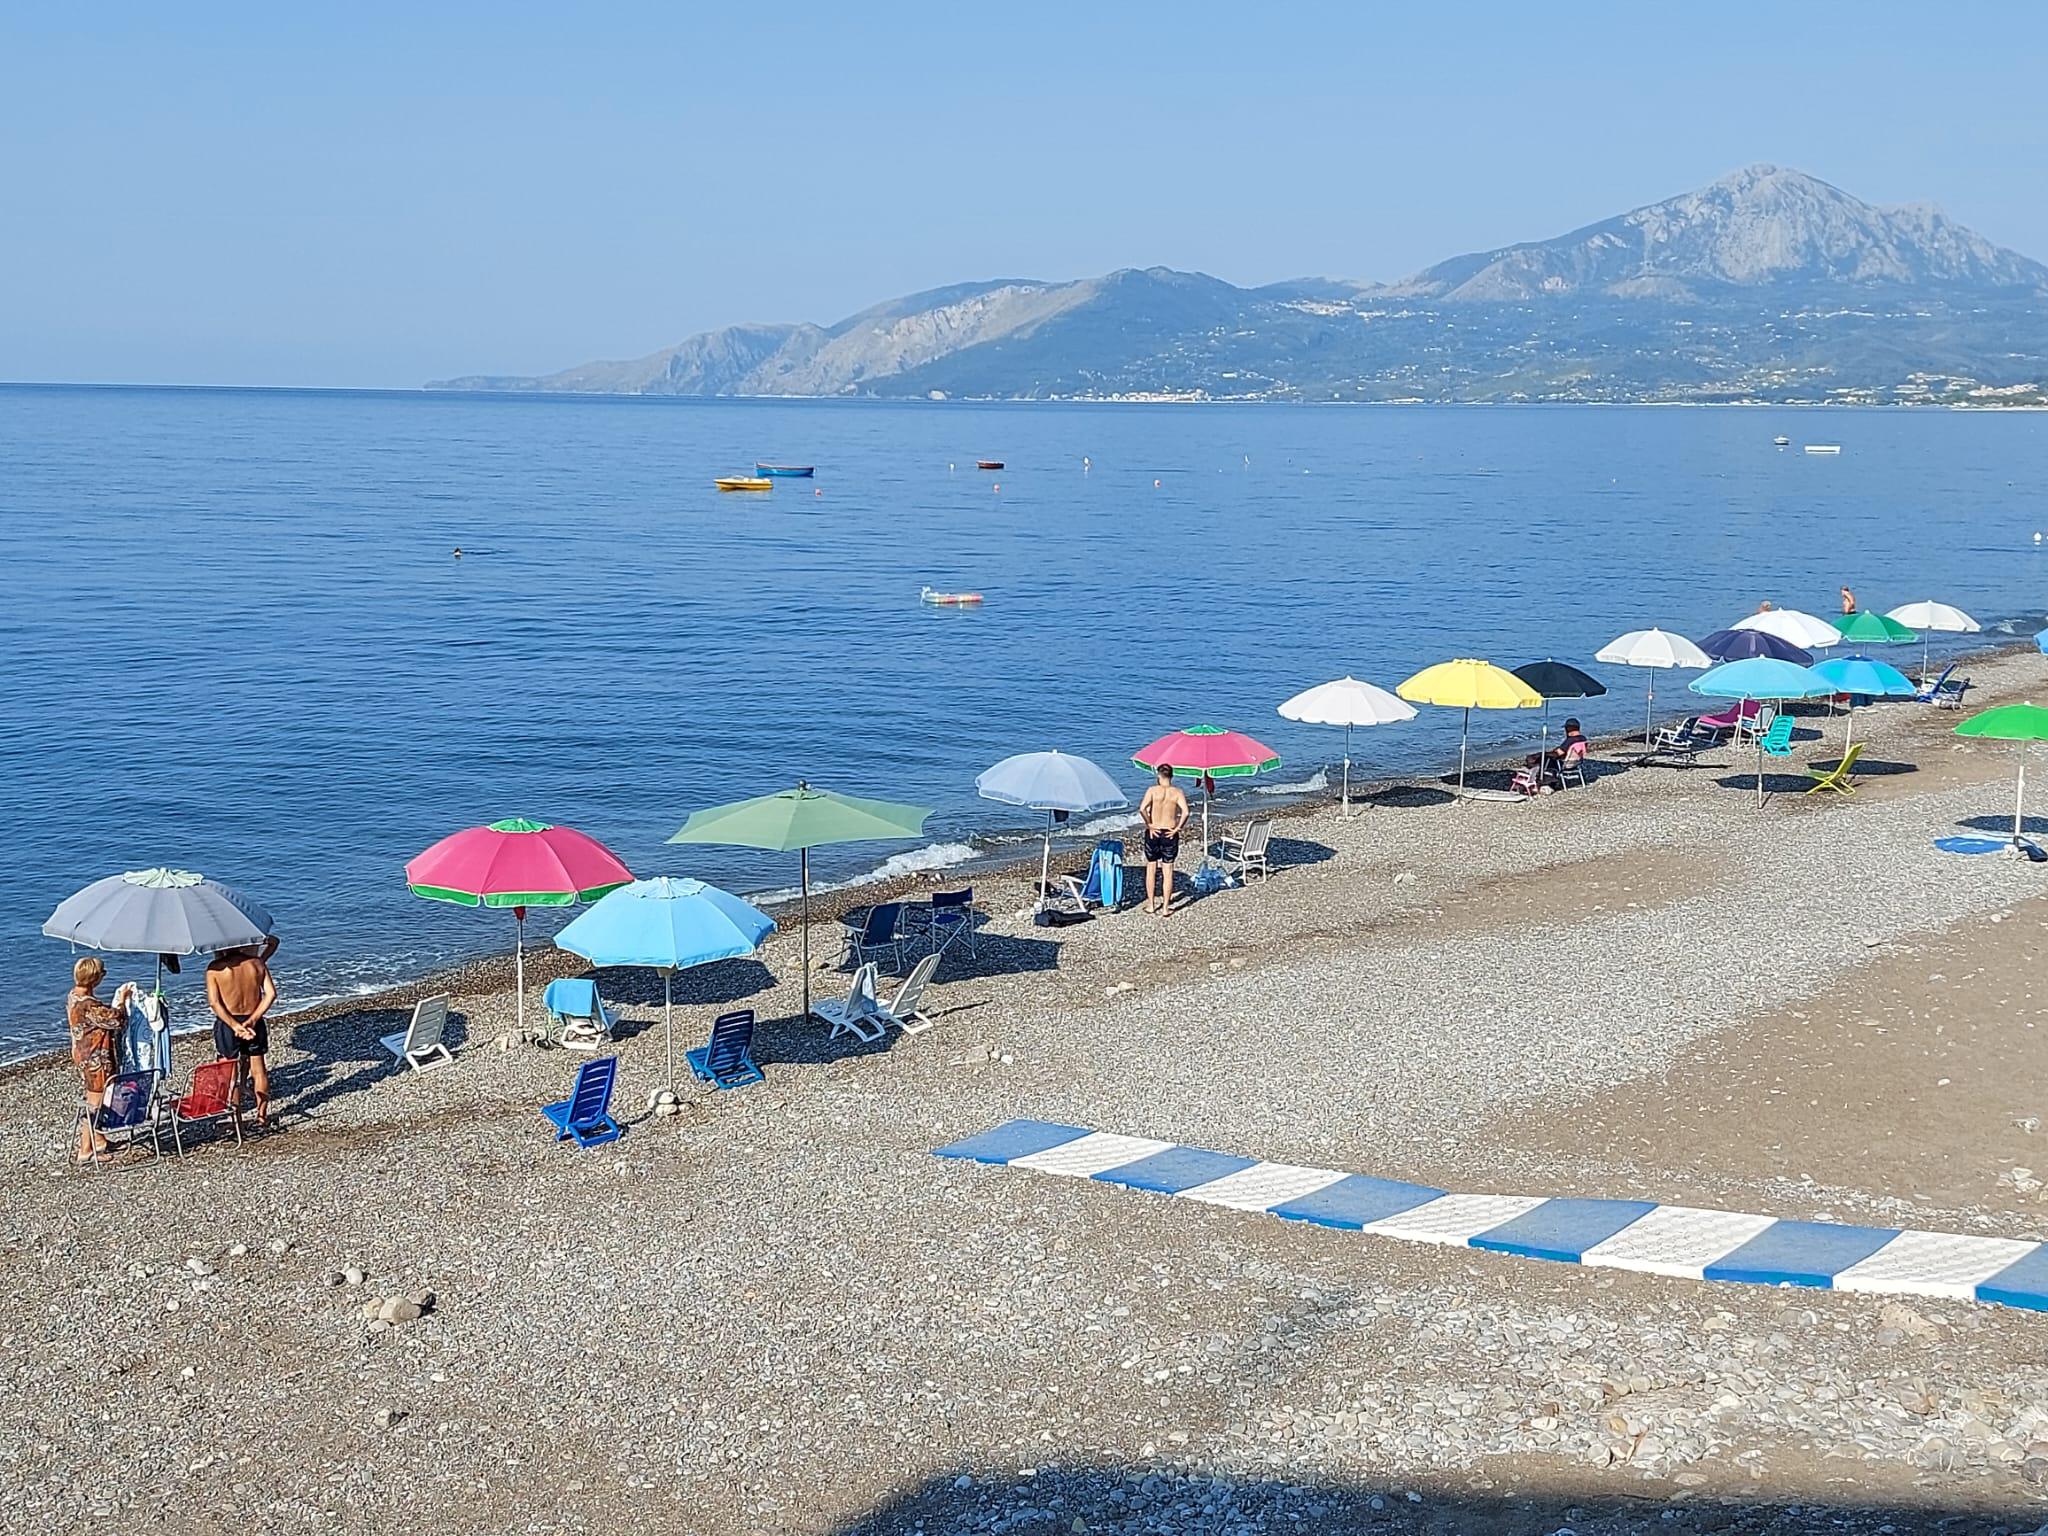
1765 284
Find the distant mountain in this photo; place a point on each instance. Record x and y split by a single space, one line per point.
1766 285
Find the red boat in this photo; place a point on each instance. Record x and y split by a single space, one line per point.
988 463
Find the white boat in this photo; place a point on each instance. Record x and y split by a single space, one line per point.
1782 442
1823 447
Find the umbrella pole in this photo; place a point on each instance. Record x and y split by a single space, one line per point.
519 970
1347 771
1759 770
1649 697
1464 736
1045 863
668 1019
803 856
2020 799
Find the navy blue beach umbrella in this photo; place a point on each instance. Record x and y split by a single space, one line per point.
1743 644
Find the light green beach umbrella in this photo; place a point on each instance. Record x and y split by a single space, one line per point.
2011 722
798 820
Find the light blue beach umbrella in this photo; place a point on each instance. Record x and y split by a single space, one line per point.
1762 677
1860 676
2041 642
670 925
1049 782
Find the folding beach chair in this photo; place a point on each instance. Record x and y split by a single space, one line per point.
880 932
1572 765
420 1045
1948 690
585 1117
858 1013
577 1016
727 1059
216 1095
132 1111
1837 777
953 921
1777 741
1682 741
1103 886
903 1010
1930 693
1242 856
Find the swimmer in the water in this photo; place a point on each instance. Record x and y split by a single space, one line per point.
458 551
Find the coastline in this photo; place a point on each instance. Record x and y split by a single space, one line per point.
544 962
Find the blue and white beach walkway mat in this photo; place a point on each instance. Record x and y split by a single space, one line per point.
1617 1234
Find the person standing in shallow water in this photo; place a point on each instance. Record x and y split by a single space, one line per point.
1164 810
95 1044
1848 602
241 993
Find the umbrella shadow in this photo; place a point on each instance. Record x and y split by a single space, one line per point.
1405 795
1297 853
1866 767
2003 824
1775 783
701 986
344 1053
998 954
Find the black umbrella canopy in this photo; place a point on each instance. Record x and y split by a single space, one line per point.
1557 680
1741 644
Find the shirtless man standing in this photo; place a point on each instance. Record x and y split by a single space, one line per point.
241 993
1164 810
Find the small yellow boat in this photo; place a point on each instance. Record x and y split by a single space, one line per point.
744 483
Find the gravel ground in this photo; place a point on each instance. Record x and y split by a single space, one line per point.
777 1312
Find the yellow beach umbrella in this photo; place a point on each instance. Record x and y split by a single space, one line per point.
1468 684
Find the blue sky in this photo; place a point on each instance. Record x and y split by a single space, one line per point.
375 194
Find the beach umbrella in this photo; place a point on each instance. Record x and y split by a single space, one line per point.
1761 677
1558 680
1469 684
1860 676
1052 782
1346 702
518 864
670 925
1802 629
2011 722
1876 629
1208 752
1655 649
158 912
1932 617
796 821
1741 644
2041 642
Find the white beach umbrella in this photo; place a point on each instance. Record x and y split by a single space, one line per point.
1793 627
1930 616
1049 782
1652 648
1347 702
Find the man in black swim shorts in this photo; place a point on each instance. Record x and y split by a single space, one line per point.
1164 810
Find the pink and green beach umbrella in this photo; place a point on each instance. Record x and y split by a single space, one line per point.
1207 752
516 864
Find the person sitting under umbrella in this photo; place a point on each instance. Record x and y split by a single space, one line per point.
1542 770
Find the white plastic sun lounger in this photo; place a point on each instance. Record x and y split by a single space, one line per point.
420 1044
859 1013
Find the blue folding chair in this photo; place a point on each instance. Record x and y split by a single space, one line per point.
1104 885
585 1117
727 1060
953 921
577 1016
132 1111
880 933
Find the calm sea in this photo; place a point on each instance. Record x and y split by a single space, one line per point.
238 639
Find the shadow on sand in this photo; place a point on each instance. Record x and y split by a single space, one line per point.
1111 1501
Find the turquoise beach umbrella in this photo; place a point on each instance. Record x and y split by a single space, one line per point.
1761 677
670 925
1860 677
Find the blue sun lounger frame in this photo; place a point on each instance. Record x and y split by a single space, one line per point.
585 1117
727 1059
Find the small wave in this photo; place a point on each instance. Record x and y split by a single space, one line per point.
931 856
1314 784
1115 821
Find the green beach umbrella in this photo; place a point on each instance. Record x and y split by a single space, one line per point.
1875 629
798 820
2011 722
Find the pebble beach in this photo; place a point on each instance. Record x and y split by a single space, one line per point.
776 1311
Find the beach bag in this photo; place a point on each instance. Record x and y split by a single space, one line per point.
1059 917
1210 879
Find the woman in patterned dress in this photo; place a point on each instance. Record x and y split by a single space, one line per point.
95 1044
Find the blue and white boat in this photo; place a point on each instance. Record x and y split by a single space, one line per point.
785 471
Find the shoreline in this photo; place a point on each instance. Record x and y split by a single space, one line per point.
544 963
